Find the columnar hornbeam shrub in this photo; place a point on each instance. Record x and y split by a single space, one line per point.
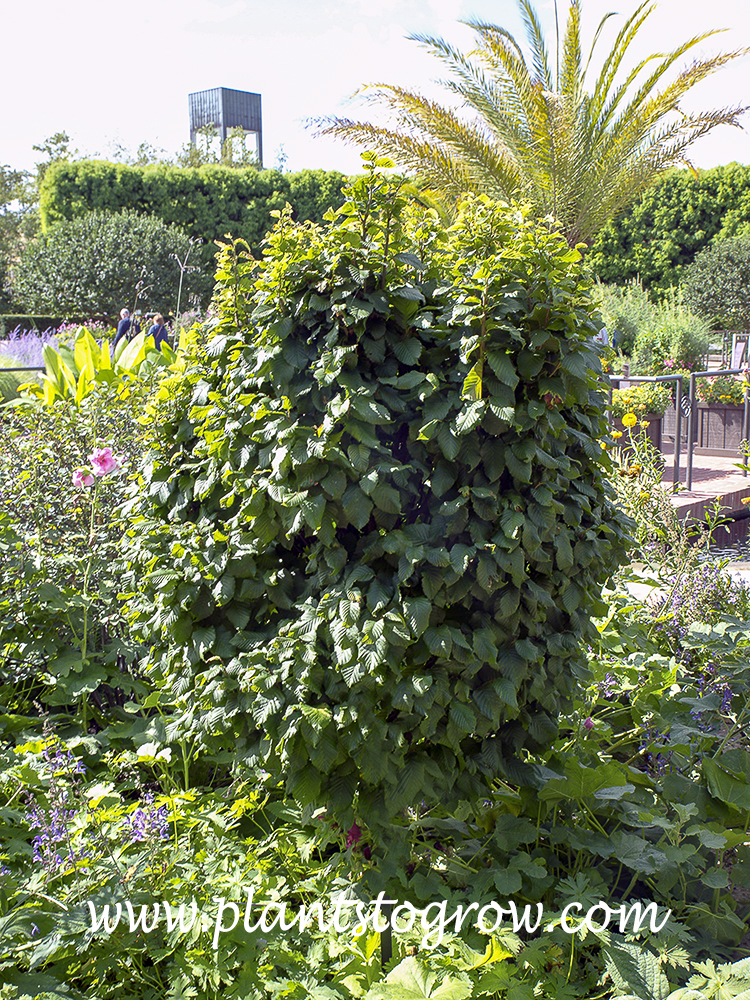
372 538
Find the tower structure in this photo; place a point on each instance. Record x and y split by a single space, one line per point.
227 109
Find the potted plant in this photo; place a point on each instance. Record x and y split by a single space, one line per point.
647 403
720 413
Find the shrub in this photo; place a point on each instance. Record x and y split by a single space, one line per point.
95 263
652 397
717 283
369 548
626 311
207 203
13 324
676 340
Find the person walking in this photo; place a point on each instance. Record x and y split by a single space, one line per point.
123 328
159 332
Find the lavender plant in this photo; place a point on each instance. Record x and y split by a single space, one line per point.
23 348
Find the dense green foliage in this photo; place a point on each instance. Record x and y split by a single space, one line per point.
17 223
390 492
717 283
101 261
112 792
208 202
675 339
626 311
678 216
660 338
18 321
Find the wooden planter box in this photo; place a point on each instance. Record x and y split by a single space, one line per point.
669 427
718 429
653 431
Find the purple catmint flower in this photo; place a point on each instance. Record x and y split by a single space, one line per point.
726 701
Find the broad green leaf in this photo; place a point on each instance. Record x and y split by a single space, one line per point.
472 387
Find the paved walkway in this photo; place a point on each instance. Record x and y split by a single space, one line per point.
713 477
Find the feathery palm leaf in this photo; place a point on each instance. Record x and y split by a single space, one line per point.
523 130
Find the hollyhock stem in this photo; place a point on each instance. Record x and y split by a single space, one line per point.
86 575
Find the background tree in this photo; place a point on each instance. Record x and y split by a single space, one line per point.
534 131
91 265
656 237
17 222
717 283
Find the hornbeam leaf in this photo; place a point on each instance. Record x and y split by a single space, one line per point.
472 387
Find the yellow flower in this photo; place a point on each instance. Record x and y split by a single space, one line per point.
616 434
629 420
644 423
745 500
645 496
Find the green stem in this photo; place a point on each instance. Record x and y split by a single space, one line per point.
185 765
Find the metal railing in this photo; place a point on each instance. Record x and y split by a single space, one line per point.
678 379
687 405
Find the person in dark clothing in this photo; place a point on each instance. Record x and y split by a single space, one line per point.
123 328
159 332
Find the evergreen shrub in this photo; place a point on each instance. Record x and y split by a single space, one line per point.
677 217
93 265
369 542
717 283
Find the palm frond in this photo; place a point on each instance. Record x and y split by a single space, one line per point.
516 130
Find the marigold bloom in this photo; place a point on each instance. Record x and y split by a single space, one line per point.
616 434
629 420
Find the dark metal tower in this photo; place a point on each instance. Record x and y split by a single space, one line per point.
227 109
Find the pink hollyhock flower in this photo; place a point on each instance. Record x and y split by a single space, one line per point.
103 461
588 723
353 835
81 478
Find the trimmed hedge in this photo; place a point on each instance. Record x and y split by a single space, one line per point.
677 217
12 321
209 202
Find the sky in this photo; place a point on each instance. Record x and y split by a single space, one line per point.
120 74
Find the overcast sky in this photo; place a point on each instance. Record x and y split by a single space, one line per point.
120 73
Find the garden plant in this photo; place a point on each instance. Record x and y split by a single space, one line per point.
339 602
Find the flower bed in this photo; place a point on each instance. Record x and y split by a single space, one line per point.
649 398
723 390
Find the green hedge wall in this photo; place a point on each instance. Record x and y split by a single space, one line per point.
12 321
209 202
676 218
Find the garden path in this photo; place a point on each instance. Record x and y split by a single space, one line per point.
714 477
